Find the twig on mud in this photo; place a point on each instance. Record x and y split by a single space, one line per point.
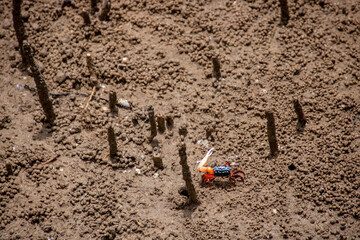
106 156
138 223
50 160
41 86
91 95
284 12
19 28
187 175
271 132
105 9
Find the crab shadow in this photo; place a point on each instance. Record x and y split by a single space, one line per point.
219 184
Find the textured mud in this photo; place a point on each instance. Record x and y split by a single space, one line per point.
160 53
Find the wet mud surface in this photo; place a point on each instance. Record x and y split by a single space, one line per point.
160 53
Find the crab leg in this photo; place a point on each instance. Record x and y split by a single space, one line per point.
201 167
234 176
238 171
207 177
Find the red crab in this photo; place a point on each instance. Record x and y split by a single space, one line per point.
218 171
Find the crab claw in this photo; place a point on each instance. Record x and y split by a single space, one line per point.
210 152
201 167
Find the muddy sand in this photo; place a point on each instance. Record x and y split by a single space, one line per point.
57 182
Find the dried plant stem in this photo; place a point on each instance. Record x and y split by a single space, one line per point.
300 114
112 143
161 123
90 97
153 131
112 103
85 15
284 12
187 175
271 132
51 159
19 28
41 87
105 9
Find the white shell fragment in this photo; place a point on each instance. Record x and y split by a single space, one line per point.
137 171
124 103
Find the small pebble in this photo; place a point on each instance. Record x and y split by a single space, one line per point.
43 53
60 77
35 26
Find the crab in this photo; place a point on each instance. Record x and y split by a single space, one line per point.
224 170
